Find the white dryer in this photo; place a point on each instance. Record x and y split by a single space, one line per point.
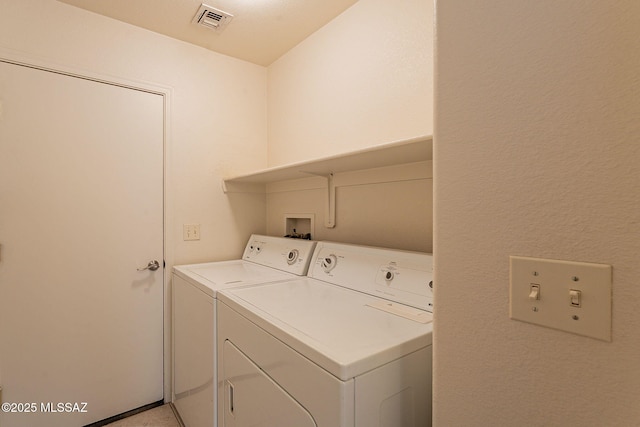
349 345
195 287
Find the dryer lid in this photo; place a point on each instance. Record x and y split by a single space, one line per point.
335 327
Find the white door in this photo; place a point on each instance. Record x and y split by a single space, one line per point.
81 208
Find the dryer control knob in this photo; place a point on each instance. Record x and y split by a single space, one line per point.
329 263
389 275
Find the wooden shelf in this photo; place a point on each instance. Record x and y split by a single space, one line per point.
395 153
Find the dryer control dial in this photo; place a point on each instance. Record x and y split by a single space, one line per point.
329 263
292 256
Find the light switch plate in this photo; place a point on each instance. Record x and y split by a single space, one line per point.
191 232
554 303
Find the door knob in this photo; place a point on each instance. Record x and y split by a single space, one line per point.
153 266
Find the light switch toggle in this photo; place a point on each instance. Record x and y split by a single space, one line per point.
534 292
575 297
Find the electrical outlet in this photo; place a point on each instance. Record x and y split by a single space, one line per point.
191 232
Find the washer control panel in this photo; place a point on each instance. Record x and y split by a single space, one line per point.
400 276
291 255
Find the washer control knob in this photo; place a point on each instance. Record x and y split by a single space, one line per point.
329 263
389 275
292 256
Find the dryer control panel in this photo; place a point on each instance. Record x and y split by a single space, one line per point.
291 255
400 276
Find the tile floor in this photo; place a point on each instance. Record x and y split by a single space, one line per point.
160 416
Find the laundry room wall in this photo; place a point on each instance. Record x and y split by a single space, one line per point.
217 123
537 153
364 79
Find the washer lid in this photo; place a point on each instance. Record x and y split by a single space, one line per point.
214 276
337 328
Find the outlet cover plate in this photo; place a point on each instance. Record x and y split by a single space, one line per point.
554 281
191 232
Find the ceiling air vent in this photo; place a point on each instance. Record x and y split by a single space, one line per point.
212 18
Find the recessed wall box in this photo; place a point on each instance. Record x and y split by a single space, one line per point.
299 225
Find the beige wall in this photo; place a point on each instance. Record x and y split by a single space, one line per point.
389 207
364 79
537 153
217 113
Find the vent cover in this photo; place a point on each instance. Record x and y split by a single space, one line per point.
212 18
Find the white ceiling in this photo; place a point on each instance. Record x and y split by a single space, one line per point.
260 32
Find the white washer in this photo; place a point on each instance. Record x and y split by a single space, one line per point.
349 345
195 287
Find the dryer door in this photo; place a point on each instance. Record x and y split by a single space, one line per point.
253 399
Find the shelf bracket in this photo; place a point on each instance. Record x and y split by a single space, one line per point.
330 213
